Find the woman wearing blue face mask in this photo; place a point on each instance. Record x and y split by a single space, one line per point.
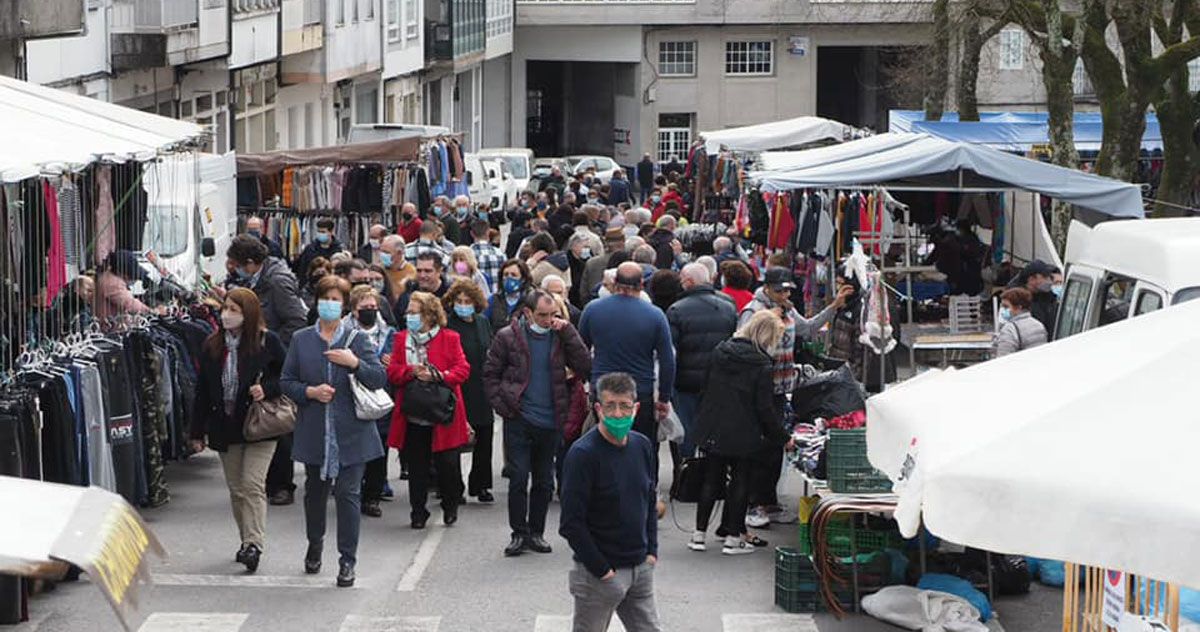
1019 330
465 304
514 284
332 443
430 352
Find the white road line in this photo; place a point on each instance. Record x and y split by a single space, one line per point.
246 581
356 623
768 623
425 553
193 622
557 623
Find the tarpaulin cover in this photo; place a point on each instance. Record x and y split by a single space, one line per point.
1015 131
396 150
47 130
1081 450
776 135
923 161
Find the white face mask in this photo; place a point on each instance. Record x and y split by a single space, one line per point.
231 321
374 243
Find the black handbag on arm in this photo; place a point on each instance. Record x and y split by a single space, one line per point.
432 401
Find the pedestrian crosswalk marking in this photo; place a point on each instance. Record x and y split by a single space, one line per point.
425 553
355 623
768 623
555 623
246 581
193 622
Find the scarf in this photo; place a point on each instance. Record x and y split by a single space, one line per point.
229 373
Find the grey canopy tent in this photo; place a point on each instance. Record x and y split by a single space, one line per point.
922 162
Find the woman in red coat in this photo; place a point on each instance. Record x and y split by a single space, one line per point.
423 442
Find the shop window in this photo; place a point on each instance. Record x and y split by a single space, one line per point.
749 58
1012 49
1147 302
1073 316
677 59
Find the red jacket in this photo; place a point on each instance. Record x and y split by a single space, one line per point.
661 209
445 353
410 231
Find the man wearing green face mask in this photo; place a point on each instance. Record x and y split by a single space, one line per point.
609 516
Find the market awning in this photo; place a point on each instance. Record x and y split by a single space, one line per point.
777 135
1081 450
1015 131
920 161
89 527
387 151
47 130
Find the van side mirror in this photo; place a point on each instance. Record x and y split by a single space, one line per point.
470 179
208 247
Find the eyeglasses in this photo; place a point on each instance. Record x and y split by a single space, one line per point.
618 407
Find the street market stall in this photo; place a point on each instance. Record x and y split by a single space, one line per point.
1016 131
1064 472
797 132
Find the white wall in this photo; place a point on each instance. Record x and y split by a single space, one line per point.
61 58
352 48
407 55
497 102
302 115
255 40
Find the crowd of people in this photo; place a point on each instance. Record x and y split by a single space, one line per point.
583 332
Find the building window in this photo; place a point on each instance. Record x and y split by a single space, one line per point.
677 59
1194 76
499 17
410 19
340 11
393 20
674 136
749 58
1012 49
370 9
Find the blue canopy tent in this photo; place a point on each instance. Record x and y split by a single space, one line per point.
1015 131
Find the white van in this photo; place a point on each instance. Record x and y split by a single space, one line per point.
1121 269
477 180
518 160
377 132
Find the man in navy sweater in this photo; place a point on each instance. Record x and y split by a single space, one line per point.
628 334
608 516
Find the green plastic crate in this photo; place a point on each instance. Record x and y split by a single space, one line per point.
796 600
791 565
805 541
847 467
840 543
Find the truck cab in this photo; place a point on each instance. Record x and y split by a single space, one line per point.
1122 269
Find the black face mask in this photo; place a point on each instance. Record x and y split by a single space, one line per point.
358 283
368 317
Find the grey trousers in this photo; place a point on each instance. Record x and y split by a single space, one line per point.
630 594
347 493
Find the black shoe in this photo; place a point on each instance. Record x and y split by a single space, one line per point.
419 520
312 559
486 496
404 473
537 544
450 515
371 508
283 497
345 578
388 494
516 547
240 558
251 558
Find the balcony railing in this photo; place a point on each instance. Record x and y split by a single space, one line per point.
154 15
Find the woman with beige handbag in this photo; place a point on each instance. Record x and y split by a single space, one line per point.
240 364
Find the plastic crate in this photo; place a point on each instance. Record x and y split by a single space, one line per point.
847 467
792 566
796 601
804 547
842 541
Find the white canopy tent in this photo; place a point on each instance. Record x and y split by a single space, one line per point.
1089 456
48 131
918 161
777 134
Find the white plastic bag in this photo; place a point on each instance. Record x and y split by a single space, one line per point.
670 428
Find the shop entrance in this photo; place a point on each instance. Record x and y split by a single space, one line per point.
571 107
855 86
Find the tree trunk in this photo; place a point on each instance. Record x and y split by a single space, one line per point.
1177 113
1058 74
968 68
935 96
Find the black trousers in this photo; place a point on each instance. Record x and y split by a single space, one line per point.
646 422
480 478
418 451
529 453
282 470
733 514
768 468
375 475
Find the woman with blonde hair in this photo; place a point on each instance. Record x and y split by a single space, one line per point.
464 265
430 352
737 419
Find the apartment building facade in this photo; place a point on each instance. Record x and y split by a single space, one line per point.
623 78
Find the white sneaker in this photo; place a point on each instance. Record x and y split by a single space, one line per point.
780 515
757 518
735 545
697 542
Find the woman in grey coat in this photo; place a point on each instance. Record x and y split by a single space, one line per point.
1020 330
332 443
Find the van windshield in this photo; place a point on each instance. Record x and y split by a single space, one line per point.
517 166
1184 296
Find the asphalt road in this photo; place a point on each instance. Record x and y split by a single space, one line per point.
437 580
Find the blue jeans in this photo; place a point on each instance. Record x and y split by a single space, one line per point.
686 407
529 450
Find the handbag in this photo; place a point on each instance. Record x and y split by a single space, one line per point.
690 480
269 418
432 401
369 403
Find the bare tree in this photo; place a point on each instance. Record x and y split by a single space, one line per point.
937 77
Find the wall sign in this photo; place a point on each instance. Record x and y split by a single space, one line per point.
798 45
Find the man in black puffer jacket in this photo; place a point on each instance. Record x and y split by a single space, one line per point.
701 319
